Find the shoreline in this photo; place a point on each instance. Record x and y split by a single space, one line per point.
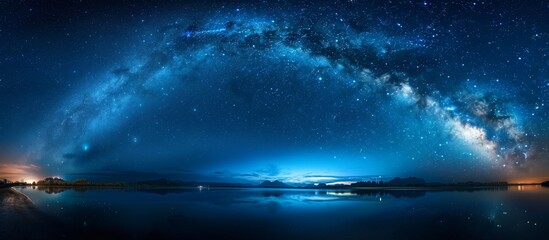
18 212
12 199
15 210
23 195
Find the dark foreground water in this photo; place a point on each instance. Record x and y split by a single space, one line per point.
510 213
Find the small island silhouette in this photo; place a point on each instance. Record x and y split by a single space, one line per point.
274 184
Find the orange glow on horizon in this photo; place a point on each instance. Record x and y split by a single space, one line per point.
17 172
530 180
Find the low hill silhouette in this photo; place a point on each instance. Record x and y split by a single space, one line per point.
409 181
273 184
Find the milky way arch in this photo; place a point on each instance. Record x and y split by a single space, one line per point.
236 59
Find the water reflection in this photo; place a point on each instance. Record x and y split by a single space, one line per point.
516 211
272 193
53 190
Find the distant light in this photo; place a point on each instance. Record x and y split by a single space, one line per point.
340 183
341 193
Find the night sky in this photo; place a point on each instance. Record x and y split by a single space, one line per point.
302 92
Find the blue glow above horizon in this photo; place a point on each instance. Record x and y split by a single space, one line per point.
305 168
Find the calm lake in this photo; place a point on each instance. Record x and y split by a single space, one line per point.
517 212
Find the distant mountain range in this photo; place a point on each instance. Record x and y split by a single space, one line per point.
273 184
